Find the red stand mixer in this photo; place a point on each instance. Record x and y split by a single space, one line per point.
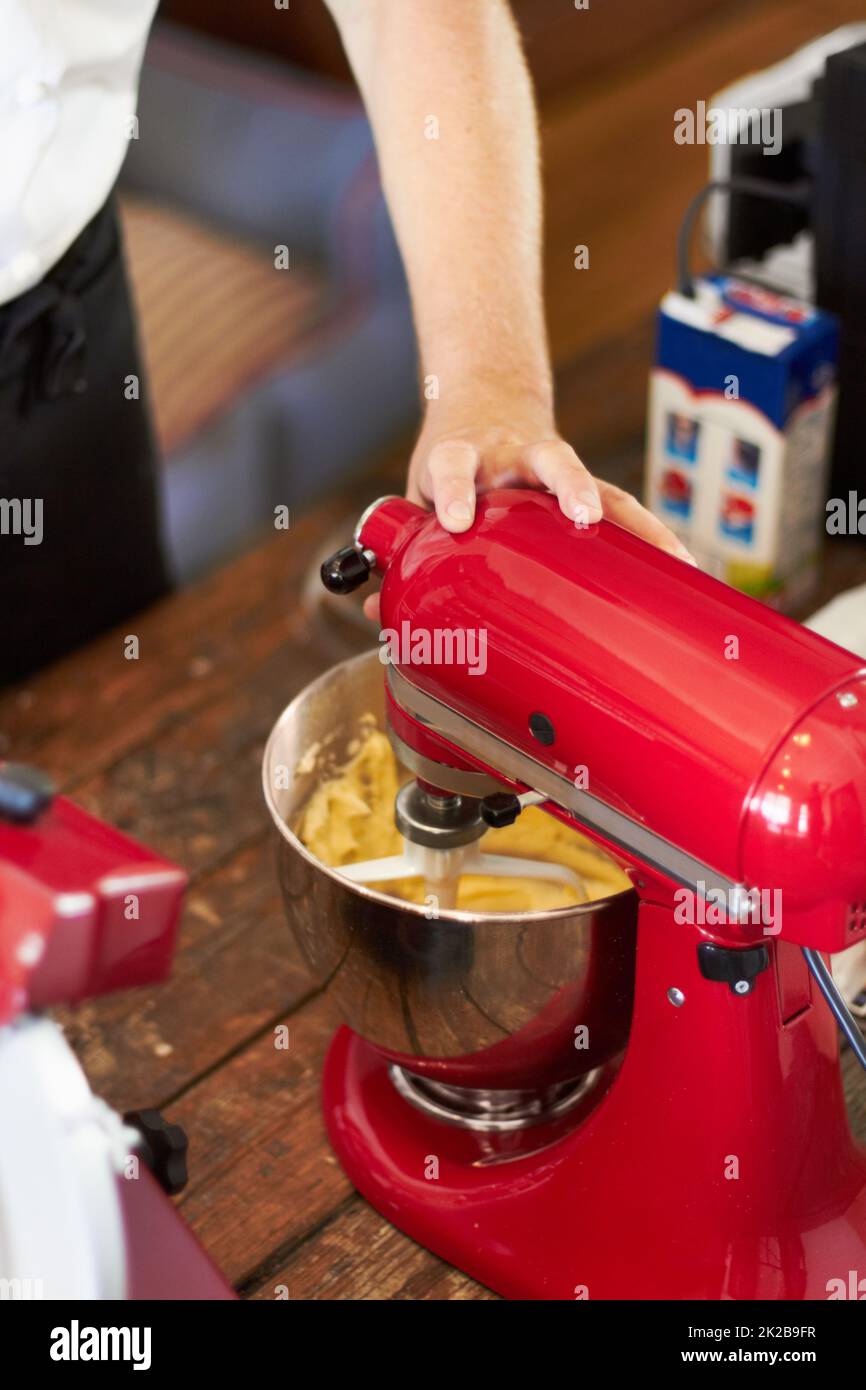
84 911
717 751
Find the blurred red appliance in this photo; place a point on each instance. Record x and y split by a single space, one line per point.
84 910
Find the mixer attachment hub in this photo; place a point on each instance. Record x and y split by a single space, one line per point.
437 820
441 831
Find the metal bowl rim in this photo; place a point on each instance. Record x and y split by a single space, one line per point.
415 909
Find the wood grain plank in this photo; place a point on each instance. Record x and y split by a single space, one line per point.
193 790
262 1175
87 711
237 968
356 1254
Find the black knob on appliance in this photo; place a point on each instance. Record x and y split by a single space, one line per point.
164 1149
346 571
499 809
734 966
25 792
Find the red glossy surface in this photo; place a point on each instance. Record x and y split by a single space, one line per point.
102 909
387 527
673 690
624 648
806 827
639 1199
165 1261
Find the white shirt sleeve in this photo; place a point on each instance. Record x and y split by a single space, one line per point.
68 82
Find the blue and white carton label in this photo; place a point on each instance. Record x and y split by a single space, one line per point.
741 409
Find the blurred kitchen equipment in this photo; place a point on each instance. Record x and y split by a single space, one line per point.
816 101
718 752
83 911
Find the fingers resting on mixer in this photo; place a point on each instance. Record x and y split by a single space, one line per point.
626 511
449 471
449 474
446 472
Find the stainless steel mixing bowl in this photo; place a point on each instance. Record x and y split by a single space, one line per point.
467 999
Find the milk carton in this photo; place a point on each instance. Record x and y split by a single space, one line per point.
740 420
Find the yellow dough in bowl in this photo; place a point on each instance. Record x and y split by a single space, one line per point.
350 817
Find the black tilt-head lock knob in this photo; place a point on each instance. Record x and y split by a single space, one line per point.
347 570
164 1148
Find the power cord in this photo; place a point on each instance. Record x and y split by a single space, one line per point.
799 194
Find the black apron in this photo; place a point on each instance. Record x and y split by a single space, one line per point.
76 437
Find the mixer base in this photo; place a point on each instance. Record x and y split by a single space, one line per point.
607 1207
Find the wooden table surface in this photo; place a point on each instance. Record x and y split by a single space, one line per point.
168 747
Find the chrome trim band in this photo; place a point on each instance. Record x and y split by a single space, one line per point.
455 779
368 511
490 1111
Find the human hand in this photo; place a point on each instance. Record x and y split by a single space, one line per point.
453 461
